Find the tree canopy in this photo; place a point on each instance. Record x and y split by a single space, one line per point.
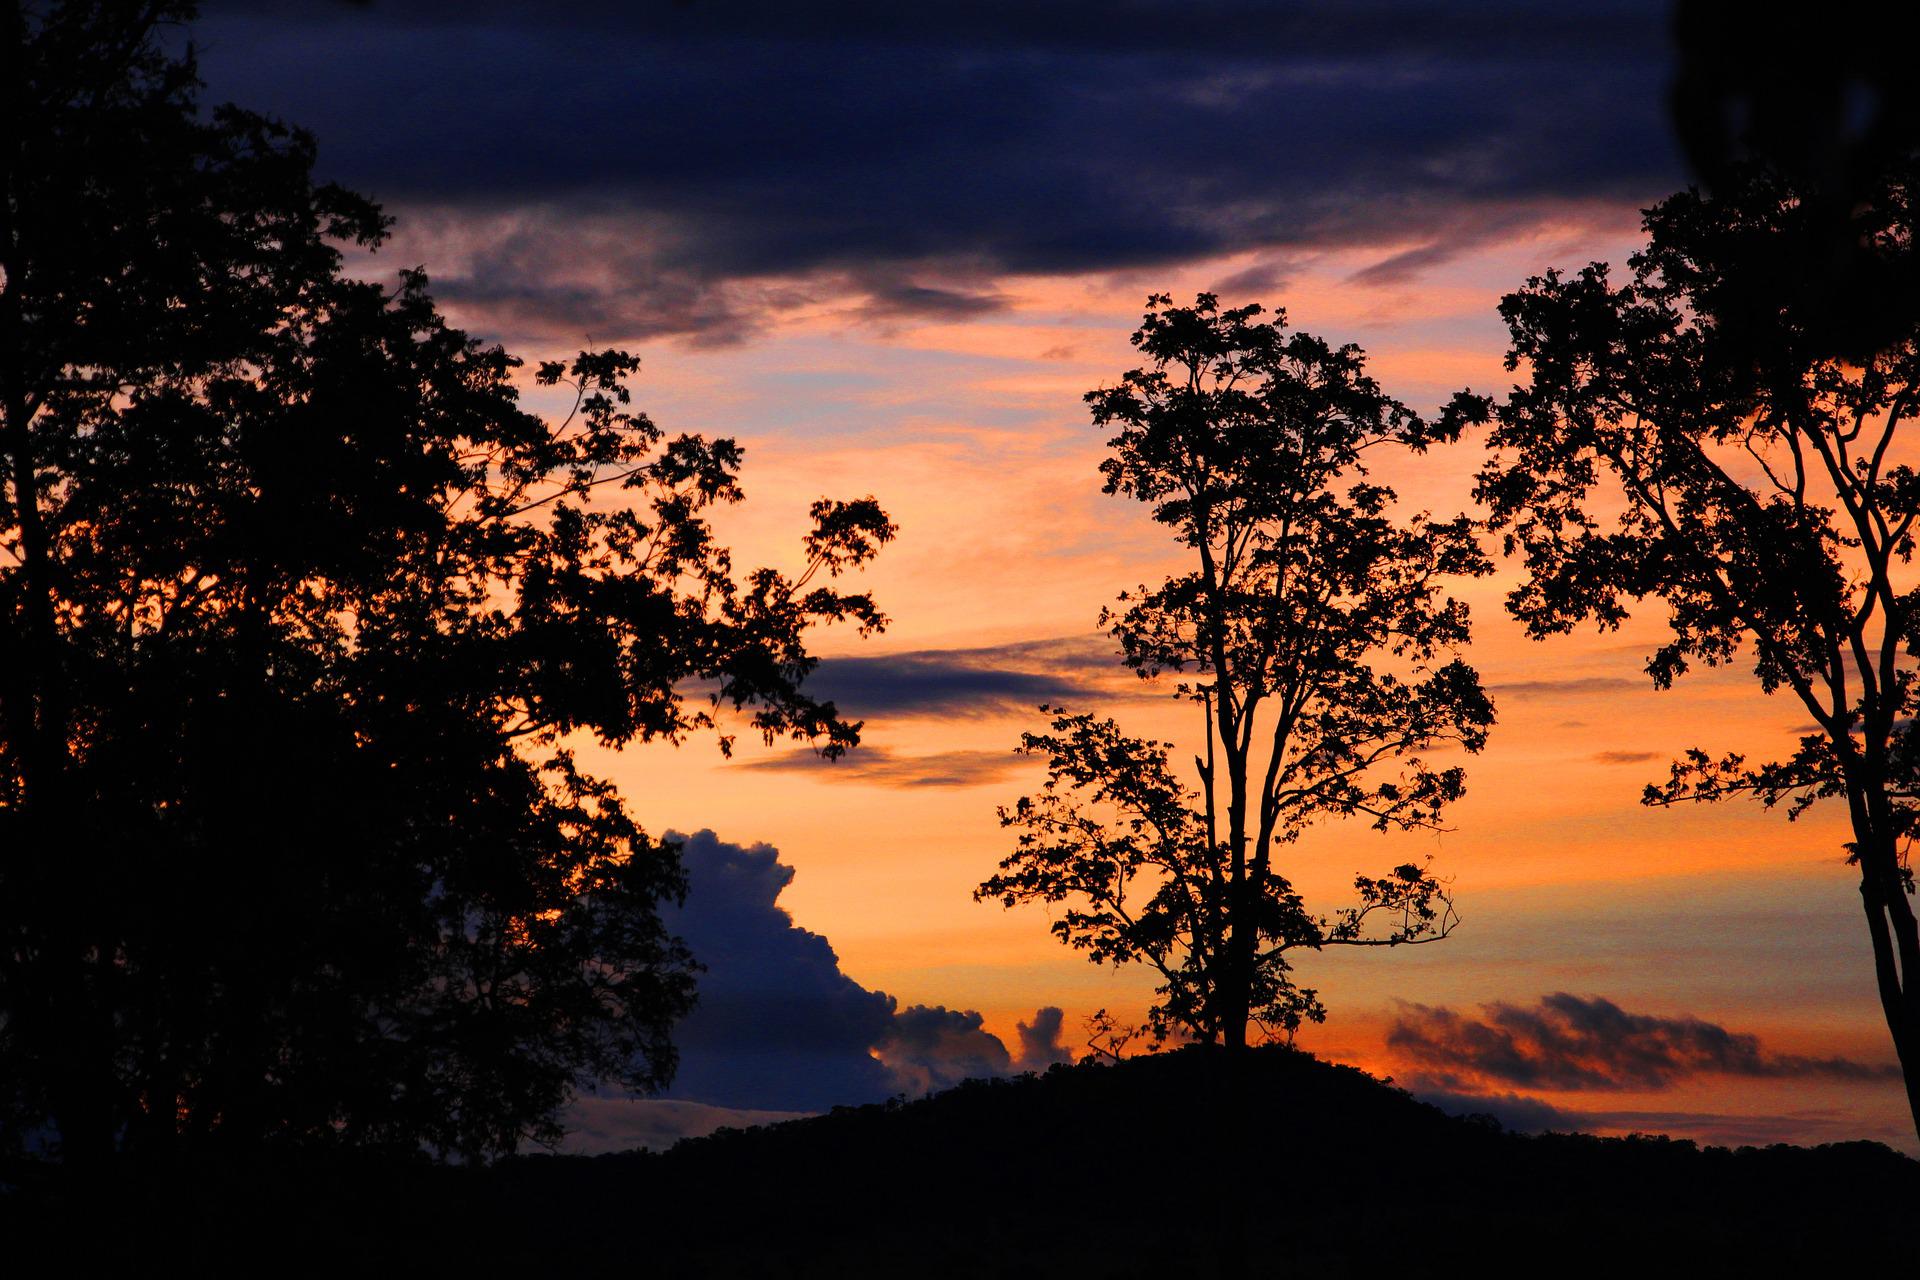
1314 631
1687 435
302 615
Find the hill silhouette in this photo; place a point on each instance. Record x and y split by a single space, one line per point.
1176 1164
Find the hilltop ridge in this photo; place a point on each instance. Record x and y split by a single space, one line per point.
1173 1164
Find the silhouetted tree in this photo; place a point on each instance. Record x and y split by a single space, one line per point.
1815 102
301 614
1313 632
1752 456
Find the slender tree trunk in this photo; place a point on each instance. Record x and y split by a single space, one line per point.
1896 965
1236 991
1891 926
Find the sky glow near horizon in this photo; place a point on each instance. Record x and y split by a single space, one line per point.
942 371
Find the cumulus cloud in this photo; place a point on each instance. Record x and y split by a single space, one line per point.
1574 1043
1040 1042
779 1027
930 1047
936 1048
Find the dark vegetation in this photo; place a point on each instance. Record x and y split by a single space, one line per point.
1122 1170
302 616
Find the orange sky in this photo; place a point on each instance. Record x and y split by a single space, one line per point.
973 435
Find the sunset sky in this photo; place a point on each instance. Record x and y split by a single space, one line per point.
889 247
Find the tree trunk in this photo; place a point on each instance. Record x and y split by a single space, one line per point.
1234 1012
1241 936
1896 965
1234 992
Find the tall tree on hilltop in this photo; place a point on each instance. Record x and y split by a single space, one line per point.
1752 448
300 616
1313 632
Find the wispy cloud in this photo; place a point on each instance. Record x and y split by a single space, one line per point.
972 682
879 767
1523 1114
1571 687
1624 757
901 299
1588 1043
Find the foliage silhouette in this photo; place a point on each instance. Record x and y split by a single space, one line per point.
1021 1178
1314 634
301 616
1753 453
1826 110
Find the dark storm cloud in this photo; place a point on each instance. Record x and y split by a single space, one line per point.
876 766
778 1026
1570 1042
1350 27
923 151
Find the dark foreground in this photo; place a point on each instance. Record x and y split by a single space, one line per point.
1131 1170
